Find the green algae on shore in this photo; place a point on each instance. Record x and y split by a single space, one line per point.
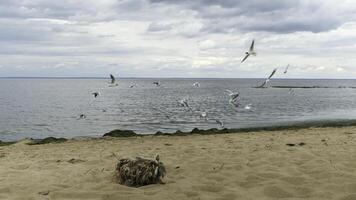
6 143
47 140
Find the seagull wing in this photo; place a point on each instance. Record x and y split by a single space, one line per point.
234 96
229 91
285 71
112 79
263 84
252 45
274 71
247 55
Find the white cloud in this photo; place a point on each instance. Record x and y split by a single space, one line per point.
173 38
207 44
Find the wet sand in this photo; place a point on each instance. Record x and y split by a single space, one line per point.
254 165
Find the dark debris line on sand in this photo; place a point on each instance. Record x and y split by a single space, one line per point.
292 144
47 140
121 133
130 133
6 143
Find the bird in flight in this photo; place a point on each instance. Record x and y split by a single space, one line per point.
96 94
221 123
286 70
233 98
248 106
157 83
196 84
82 116
265 83
204 115
250 52
113 81
184 103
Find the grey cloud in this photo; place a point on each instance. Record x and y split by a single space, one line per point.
171 36
241 5
157 27
281 16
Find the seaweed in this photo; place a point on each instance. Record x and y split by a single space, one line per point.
6 143
47 140
121 133
296 126
140 172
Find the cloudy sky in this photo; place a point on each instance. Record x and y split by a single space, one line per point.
177 38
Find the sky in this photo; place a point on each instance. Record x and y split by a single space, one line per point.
177 38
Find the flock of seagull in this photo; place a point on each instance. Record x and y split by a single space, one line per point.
233 96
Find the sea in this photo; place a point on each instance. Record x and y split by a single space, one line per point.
44 107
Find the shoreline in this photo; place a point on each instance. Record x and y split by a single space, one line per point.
194 131
310 163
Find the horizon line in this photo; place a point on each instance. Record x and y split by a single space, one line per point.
101 77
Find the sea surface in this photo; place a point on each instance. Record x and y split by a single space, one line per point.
39 108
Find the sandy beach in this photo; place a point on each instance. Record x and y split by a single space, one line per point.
254 165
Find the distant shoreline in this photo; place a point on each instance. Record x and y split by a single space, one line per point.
162 78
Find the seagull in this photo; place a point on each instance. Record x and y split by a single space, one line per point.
184 103
291 91
196 84
265 83
286 70
132 86
250 52
233 95
234 102
221 123
248 106
82 116
96 94
203 115
233 98
113 80
157 83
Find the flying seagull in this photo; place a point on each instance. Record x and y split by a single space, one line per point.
184 103
291 91
248 106
250 52
233 95
82 116
233 98
113 80
96 94
157 83
286 70
204 115
196 84
221 123
265 83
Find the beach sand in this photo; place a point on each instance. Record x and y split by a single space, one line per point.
254 165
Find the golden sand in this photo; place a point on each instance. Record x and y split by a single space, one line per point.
255 165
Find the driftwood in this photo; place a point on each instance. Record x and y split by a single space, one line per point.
139 172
